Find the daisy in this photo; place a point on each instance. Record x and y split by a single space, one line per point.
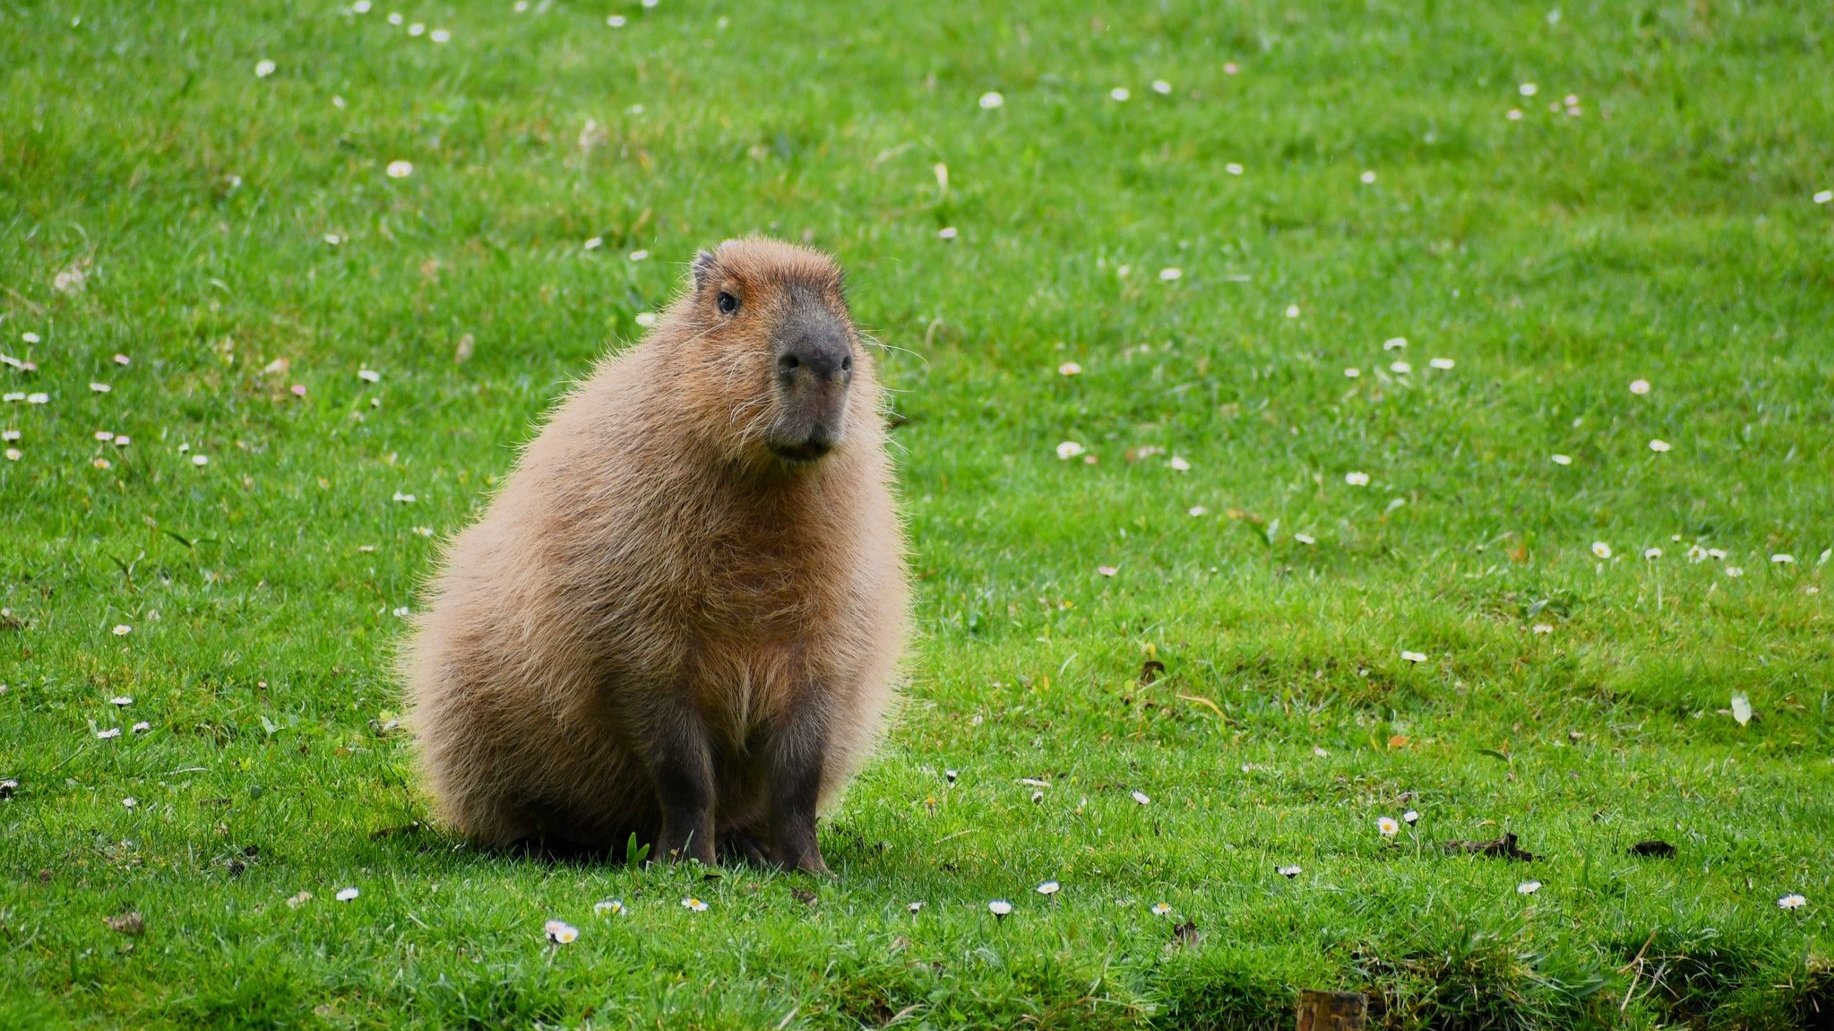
1400 368
1357 479
1658 446
1442 364
560 933
693 905
1119 93
1069 369
1048 888
946 233
1410 817
1601 549
1305 538
123 630
1528 887
142 727
1652 553
1407 656
1170 273
111 732
1388 827
1162 87
1561 459
369 375
1234 168
346 894
299 900
1368 178
1543 628
400 169
1140 797
1161 908
1179 465
1783 559
1639 387
1069 449
264 68
1394 343
1792 901
914 907
121 701
999 908
991 100
1288 871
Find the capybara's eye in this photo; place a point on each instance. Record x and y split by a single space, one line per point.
728 303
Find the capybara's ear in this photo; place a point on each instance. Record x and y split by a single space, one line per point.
704 267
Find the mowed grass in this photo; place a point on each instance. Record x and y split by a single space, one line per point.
1666 231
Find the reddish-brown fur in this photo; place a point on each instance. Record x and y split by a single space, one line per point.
656 598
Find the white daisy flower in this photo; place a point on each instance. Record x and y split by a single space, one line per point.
914 907
560 932
1069 369
1170 273
440 35
1639 387
1528 887
646 319
1179 465
1410 817
400 169
1352 373
1048 888
1292 311
1400 368
946 233
346 894
1658 446
1162 87
1527 89
1735 571
122 630
1069 449
1120 93
264 68
1368 178
111 732
1357 479
1601 549
1543 628
121 701
609 907
1288 871
402 499
1792 901
1408 656
1388 827
1234 168
1652 553
1783 559
999 907
1161 908
1141 797
1442 363
1305 538
693 905
991 100
1561 459
142 727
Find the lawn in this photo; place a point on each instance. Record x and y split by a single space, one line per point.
1448 397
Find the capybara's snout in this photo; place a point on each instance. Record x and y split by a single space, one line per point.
814 369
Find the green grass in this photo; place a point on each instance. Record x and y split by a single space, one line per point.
1667 233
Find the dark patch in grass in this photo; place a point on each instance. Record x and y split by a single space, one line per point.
1653 847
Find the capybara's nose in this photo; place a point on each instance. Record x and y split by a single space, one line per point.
822 354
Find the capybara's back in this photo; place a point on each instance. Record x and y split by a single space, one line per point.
681 615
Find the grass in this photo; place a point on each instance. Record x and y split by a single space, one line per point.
1666 232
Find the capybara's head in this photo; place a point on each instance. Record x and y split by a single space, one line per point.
771 335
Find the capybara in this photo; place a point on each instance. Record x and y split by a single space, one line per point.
680 617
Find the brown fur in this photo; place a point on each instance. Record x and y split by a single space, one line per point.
656 599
